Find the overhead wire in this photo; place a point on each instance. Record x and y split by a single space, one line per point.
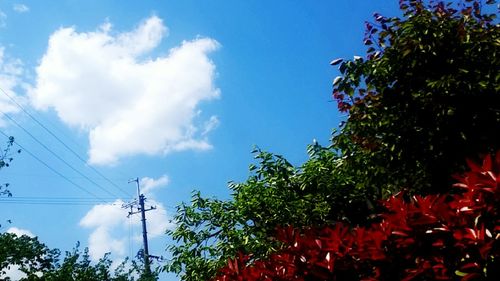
52 201
58 198
43 175
51 168
69 201
129 220
56 155
64 144
46 200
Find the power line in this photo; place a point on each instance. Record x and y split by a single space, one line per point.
56 155
62 200
57 198
64 144
50 203
52 169
42 175
71 201
41 200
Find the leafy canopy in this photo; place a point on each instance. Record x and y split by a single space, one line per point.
38 262
210 230
435 237
425 97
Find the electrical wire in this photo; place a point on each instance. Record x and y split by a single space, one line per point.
47 200
58 198
129 236
64 144
51 203
56 155
42 175
21 199
52 169
72 201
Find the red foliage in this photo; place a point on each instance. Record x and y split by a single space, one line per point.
452 236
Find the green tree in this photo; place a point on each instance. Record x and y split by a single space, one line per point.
26 252
38 262
209 231
425 97
78 266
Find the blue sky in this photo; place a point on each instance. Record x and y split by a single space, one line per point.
173 92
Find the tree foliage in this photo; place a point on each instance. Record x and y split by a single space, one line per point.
436 237
38 262
5 160
211 230
425 97
26 252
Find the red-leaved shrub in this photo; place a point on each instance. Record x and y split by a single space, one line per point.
453 236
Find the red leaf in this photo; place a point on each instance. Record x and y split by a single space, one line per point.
487 164
473 166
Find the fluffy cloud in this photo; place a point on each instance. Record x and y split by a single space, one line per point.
104 218
110 225
20 8
20 232
149 184
3 19
129 102
10 77
13 272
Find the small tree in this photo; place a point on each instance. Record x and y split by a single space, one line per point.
28 253
38 262
425 97
210 231
5 160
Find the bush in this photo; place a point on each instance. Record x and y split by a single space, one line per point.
454 236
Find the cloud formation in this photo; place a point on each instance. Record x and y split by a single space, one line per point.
128 101
3 19
103 219
150 184
110 225
11 71
20 232
13 272
20 8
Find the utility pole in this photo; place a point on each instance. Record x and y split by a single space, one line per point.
142 210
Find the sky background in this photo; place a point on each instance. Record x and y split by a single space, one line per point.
175 93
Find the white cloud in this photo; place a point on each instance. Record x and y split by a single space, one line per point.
110 225
129 102
20 232
210 125
158 219
20 8
109 215
3 19
149 184
11 70
104 218
13 272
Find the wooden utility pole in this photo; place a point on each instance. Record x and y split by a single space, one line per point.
142 210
